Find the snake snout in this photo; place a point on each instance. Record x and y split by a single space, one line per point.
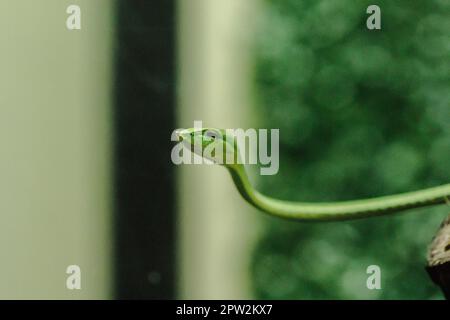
179 133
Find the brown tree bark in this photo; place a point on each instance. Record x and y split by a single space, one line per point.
439 258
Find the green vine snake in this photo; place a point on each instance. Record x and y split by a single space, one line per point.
198 140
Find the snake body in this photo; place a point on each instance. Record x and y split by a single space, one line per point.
306 211
342 210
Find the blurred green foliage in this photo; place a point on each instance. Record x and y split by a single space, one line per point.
361 113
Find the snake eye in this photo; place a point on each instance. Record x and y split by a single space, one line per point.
210 135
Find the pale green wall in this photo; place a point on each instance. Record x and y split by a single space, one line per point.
55 148
216 229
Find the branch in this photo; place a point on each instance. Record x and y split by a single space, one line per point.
439 258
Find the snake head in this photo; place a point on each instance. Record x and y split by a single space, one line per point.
210 143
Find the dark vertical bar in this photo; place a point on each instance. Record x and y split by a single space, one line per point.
144 120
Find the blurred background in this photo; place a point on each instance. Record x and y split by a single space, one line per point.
85 123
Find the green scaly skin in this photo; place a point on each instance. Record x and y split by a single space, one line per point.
304 211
